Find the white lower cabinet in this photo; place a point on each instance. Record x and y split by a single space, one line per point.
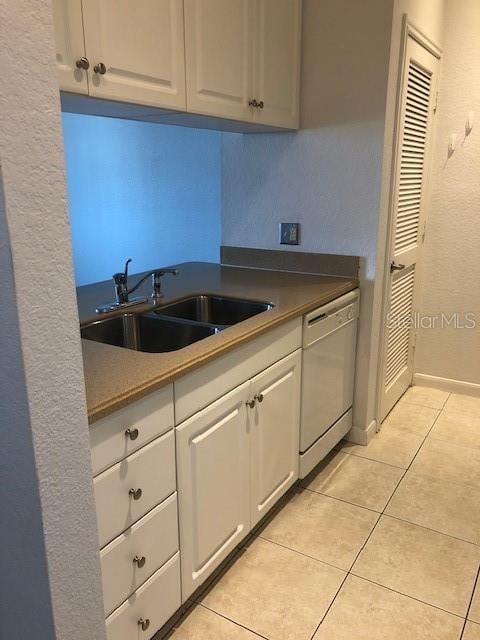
142 615
275 423
172 504
235 459
213 486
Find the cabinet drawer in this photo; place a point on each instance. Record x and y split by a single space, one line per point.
153 539
154 603
150 417
150 472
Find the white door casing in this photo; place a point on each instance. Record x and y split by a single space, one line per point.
407 218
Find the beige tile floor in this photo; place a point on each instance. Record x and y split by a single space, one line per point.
380 543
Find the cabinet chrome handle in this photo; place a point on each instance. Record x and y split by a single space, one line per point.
259 397
82 63
144 624
100 68
250 403
139 561
135 493
396 267
131 433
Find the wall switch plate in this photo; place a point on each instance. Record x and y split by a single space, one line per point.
289 232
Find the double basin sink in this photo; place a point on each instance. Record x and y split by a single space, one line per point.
173 326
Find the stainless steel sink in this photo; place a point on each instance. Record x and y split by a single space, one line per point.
146 332
214 310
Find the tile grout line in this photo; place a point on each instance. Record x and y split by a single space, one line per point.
352 504
406 595
412 461
422 526
305 555
238 624
470 603
349 573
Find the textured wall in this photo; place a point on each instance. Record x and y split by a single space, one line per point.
452 266
328 175
49 580
143 190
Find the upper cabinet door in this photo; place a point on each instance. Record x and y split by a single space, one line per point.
219 43
277 62
70 46
136 51
274 424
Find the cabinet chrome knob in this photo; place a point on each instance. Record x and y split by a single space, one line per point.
139 561
250 403
259 397
131 433
135 493
82 63
261 104
253 103
144 624
100 68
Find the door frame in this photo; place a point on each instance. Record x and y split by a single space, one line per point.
409 30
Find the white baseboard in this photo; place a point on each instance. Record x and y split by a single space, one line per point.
362 436
447 384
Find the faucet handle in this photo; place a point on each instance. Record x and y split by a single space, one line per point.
157 282
122 277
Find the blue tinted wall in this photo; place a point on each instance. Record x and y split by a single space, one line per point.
146 191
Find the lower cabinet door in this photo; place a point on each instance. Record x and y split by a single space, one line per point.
274 425
147 610
213 485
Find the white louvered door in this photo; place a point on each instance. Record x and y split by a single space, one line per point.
408 219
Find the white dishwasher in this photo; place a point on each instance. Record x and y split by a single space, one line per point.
328 367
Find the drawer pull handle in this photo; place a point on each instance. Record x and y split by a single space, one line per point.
135 493
259 397
132 433
144 623
139 561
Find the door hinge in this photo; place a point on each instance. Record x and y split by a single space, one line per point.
435 106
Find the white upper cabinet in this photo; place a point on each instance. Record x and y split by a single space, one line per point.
243 59
141 45
132 51
277 62
274 427
219 43
70 45
238 60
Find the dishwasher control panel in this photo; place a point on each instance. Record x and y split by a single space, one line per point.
319 323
